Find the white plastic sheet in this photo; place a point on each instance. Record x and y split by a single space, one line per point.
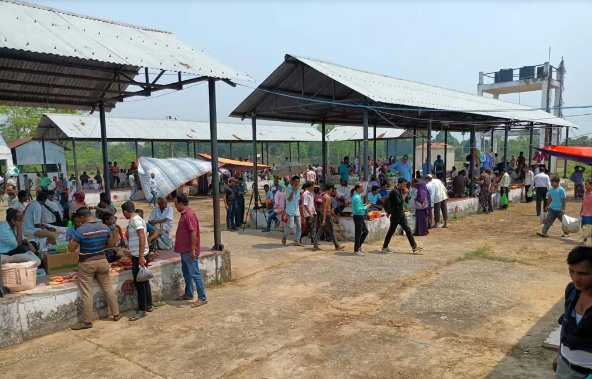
570 224
170 173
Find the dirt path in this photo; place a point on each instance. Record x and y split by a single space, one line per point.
477 303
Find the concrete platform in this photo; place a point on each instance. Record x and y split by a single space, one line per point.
44 310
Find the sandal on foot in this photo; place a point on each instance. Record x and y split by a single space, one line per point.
184 298
149 309
82 325
117 317
199 303
137 316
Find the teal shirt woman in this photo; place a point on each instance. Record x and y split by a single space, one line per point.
358 207
359 215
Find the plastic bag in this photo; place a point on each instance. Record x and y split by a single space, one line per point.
570 224
165 242
144 274
543 217
504 200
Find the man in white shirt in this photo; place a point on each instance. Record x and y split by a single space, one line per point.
153 188
52 212
32 225
311 176
309 210
541 183
528 180
162 216
440 195
19 205
504 184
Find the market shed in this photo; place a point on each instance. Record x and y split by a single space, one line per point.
53 58
70 128
312 91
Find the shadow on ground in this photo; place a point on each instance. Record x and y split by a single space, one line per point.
528 358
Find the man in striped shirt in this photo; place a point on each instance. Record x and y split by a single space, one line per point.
92 238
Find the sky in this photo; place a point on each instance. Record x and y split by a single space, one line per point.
440 43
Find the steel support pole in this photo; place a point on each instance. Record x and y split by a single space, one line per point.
215 173
386 150
565 160
152 148
230 150
194 151
44 155
75 159
255 176
356 151
188 150
290 151
136 147
492 137
445 153
262 155
267 152
374 148
472 144
429 148
530 141
414 152
365 156
506 132
324 152
106 182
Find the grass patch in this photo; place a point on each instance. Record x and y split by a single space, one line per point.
485 253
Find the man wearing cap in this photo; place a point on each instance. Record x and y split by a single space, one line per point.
92 239
578 178
404 168
278 205
554 206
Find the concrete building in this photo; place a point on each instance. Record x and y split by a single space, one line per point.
5 156
28 156
437 149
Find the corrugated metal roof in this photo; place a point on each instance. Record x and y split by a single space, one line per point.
53 58
355 133
87 127
389 90
288 94
38 29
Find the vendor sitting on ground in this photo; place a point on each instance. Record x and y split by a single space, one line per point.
161 217
458 184
375 199
13 248
344 193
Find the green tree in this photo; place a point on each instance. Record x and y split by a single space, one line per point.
21 122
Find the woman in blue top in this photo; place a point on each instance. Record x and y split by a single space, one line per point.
359 215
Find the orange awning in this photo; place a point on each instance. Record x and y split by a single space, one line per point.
232 162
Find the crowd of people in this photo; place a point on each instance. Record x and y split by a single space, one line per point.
94 235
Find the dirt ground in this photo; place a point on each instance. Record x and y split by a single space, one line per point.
477 303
